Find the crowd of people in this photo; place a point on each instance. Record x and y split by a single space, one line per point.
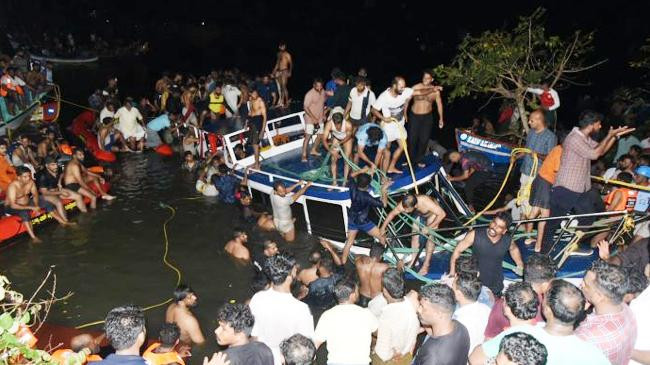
363 312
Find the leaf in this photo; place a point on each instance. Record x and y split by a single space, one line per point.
25 318
6 321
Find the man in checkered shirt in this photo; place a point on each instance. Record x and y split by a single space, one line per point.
612 326
573 182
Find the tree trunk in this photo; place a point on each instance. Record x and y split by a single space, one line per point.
521 106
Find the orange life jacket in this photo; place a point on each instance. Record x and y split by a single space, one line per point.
61 356
5 88
161 358
25 336
627 201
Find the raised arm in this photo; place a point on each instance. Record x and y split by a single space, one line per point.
463 245
300 192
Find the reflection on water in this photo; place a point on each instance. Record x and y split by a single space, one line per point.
113 255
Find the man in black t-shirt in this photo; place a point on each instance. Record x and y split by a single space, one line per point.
48 181
448 341
235 325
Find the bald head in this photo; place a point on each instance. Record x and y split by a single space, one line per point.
564 302
536 120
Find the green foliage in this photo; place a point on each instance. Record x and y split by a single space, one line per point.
643 61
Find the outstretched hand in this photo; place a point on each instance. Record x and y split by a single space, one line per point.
603 249
218 358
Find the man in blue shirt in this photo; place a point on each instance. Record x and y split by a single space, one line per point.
361 202
268 91
226 183
158 124
126 332
371 135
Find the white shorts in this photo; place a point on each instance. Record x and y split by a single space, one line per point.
206 189
283 226
309 128
393 130
136 132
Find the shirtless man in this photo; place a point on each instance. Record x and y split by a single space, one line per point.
48 146
23 154
341 134
256 124
179 312
236 246
309 274
428 212
421 117
282 72
48 181
77 178
109 138
17 200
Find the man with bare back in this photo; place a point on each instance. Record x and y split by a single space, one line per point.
370 270
282 72
180 313
421 117
256 124
236 247
340 130
77 178
424 210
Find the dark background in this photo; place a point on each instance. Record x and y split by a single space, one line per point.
386 37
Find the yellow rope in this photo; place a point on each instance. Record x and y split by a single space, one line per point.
621 183
523 195
164 260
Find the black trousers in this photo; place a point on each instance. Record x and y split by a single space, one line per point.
420 127
564 201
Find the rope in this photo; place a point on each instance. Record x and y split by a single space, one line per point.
617 182
59 99
164 260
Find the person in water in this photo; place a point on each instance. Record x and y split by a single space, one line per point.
163 352
109 138
264 220
427 213
77 178
180 313
256 124
190 163
226 183
281 200
361 202
236 247
157 125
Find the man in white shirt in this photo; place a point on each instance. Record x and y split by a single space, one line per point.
231 93
472 314
398 322
281 200
129 119
278 315
359 103
108 111
347 328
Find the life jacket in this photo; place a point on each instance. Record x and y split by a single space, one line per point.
217 103
161 358
627 201
9 86
61 356
26 337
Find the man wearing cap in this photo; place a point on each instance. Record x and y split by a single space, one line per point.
129 119
338 135
48 181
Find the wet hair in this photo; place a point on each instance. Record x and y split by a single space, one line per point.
611 280
327 263
637 281
123 325
317 80
337 118
506 218
277 184
181 292
278 268
523 349
393 282
409 200
467 264
363 181
298 350
107 120
428 71
522 300
315 257
237 232
238 316
374 133
566 301
469 285
589 117
624 177
343 289
169 334
22 170
440 295
539 268
376 251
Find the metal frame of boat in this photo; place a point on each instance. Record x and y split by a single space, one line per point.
497 151
31 112
64 61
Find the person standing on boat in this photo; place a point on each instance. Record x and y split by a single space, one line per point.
256 124
372 135
571 191
342 140
360 101
540 140
282 73
281 200
360 203
476 167
129 124
426 213
421 117
314 106
489 245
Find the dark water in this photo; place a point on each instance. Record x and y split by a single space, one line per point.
114 255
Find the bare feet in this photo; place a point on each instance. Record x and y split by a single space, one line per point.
393 171
303 158
530 241
314 153
36 240
423 270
